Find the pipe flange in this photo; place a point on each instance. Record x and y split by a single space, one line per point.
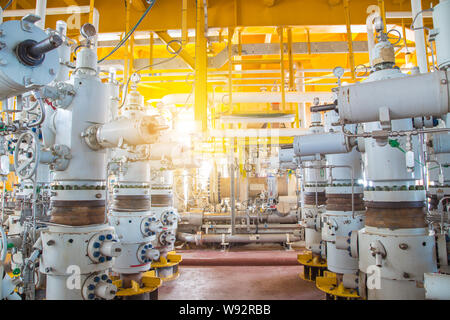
167 238
22 52
90 137
169 218
150 226
103 247
146 253
98 286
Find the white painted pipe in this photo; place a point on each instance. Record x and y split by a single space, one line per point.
441 22
111 249
41 6
105 290
166 150
419 35
256 133
405 14
250 97
237 238
369 24
131 132
322 143
153 254
56 11
286 155
48 11
406 97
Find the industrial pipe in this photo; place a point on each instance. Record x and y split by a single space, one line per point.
250 97
406 97
123 131
324 107
369 25
322 143
419 35
236 238
41 6
197 219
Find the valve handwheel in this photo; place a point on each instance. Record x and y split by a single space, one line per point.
397 39
26 155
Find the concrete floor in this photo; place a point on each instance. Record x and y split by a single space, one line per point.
249 280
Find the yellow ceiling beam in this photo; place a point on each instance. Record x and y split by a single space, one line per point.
175 46
71 2
138 4
167 14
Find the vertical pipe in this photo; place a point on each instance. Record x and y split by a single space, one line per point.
291 61
201 65
94 19
351 55
240 42
370 33
382 13
232 187
230 67
152 40
283 89
41 6
308 40
131 54
419 36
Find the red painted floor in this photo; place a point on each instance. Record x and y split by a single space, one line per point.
227 282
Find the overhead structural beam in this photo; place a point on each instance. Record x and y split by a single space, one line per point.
71 2
175 46
167 14
221 58
139 4
258 49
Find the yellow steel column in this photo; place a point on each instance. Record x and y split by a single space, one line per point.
184 26
351 55
152 40
291 61
201 66
230 67
131 53
240 42
283 91
127 53
308 40
91 11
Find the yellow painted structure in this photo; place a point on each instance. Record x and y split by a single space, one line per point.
328 284
313 266
150 283
171 261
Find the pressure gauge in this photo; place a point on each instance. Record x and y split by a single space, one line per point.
338 72
88 31
135 77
